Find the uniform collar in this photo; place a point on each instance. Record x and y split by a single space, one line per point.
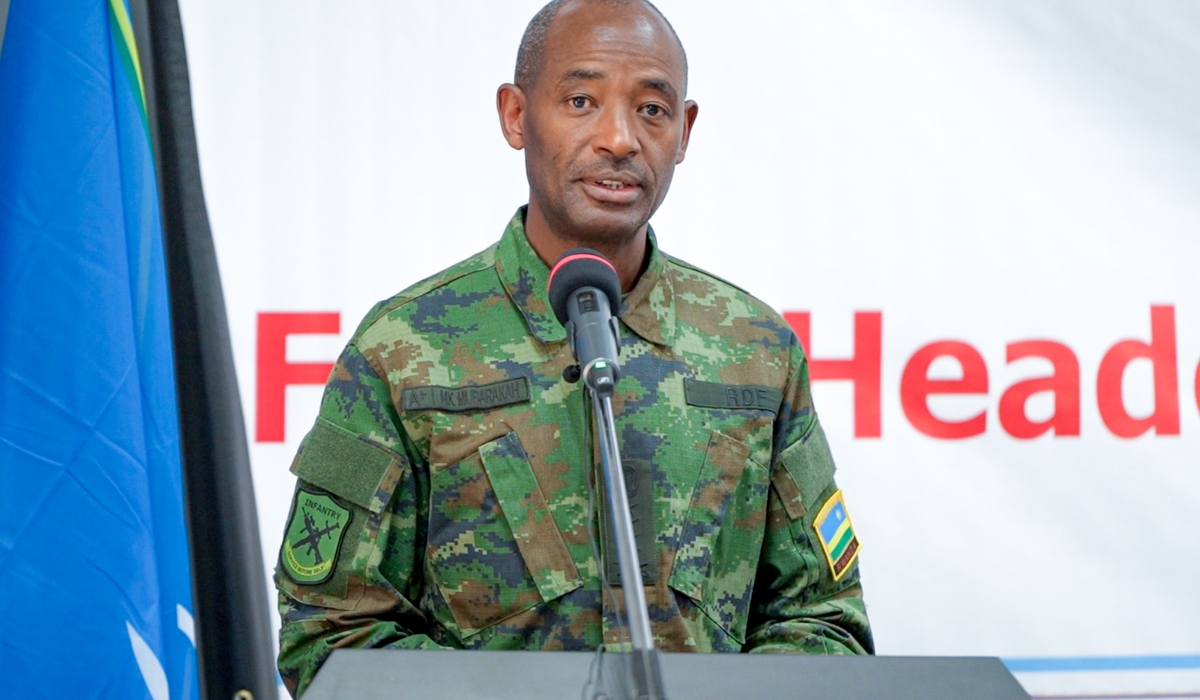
648 310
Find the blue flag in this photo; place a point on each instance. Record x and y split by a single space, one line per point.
95 589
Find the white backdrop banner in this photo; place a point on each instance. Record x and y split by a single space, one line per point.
981 217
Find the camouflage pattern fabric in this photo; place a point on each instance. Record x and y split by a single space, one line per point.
448 432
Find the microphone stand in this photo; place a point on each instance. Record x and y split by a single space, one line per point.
599 376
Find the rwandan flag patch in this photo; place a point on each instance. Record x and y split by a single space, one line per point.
836 533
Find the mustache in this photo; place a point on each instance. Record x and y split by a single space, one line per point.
614 166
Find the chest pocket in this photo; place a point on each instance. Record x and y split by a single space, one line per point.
722 536
493 549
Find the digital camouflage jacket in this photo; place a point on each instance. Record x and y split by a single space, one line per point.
443 494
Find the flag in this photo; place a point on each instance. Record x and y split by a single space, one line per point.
95 594
836 534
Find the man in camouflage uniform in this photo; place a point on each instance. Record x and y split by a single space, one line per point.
444 496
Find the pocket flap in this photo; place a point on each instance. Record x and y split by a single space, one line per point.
524 506
347 466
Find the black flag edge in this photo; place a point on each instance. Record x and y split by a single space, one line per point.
233 637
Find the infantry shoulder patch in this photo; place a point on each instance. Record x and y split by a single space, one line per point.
836 533
314 537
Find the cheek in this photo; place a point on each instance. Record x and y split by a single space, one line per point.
662 164
553 158
673 149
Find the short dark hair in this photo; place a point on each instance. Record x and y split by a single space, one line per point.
531 54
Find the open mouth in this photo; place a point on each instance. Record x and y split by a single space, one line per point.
613 184
611 191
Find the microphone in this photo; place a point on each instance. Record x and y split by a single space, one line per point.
584 294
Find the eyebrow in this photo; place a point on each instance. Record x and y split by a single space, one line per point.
581 74
662 87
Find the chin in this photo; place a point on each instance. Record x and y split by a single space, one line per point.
596 225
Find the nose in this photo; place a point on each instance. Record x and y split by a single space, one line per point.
617 133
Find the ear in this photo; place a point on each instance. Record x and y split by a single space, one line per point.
510 104
690 110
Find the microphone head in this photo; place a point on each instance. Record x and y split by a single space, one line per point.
582 267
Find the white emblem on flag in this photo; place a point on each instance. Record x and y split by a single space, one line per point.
185 623
149 665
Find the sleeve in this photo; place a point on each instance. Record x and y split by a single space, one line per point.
349 571
807 594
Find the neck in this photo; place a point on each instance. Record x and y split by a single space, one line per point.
627 254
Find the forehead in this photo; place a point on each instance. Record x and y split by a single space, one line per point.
625 36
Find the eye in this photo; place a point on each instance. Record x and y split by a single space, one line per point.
579 102
654 110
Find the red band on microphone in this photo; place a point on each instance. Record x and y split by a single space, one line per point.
577 256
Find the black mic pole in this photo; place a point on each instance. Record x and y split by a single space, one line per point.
585 292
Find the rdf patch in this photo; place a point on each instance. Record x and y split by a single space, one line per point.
314 537
836 533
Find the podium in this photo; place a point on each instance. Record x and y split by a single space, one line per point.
383 674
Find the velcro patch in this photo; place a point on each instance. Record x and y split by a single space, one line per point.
338 461
715 395
466 398
314 536
836 534
809 463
